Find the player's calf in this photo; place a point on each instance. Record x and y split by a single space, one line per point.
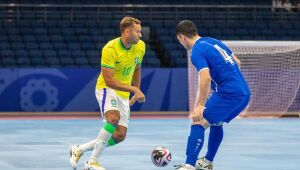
119 138
120 134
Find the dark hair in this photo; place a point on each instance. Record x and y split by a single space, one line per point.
186 28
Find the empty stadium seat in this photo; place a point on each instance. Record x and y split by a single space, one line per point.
59 40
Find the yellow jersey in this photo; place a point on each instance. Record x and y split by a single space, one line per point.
122 60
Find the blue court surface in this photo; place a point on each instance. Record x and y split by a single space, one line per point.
260 144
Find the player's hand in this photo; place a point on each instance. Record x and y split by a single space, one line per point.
132 100
197 114
139 95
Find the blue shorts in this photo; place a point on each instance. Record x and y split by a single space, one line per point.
219 108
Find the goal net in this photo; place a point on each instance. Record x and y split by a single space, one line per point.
272 71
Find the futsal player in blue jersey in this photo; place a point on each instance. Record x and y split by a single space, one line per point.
218 68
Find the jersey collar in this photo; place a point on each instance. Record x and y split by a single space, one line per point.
198 39
122 45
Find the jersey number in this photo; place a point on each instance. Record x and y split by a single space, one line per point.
224 54
126 71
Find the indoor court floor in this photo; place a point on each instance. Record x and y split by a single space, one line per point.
43 144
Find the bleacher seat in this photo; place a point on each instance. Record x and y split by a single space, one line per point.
38 61
42 38
17 46
77 42
181 62
59 46
29 38
31 46
23 61
64 53
78 54
50 54
54 31
73 46
92 53
9 61
21 53
87 46
66 60
40 31
4 46
57 38
46 46
14 38
94 61
151 62
52 61
70 38
35 54
3 38
7 53
81 61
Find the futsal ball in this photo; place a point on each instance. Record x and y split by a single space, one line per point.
161 156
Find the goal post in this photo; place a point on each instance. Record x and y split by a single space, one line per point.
272 71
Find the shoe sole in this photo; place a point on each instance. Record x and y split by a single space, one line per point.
202 169
84 168
71 162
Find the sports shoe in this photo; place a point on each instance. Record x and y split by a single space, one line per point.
75 155
184 167
204 164
93 166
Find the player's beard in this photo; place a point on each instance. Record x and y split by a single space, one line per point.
135 40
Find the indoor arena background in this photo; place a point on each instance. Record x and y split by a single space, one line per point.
50 53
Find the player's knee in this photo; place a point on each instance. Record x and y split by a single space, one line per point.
216 129
113 117
204 123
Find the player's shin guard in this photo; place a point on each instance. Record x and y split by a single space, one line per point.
102 140
194 144
214 141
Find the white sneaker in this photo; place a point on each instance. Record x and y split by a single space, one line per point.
185 167
93 166
75 155
204 164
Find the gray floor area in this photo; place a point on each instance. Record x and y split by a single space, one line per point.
260 144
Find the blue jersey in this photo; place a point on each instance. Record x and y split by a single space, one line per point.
218 58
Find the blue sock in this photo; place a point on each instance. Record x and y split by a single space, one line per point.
194 144
214 141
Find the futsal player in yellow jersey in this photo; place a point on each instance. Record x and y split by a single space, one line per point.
120 67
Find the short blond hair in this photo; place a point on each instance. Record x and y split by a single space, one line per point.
128 22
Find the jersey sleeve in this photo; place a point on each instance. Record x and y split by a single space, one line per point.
107 59
142 49
198 60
